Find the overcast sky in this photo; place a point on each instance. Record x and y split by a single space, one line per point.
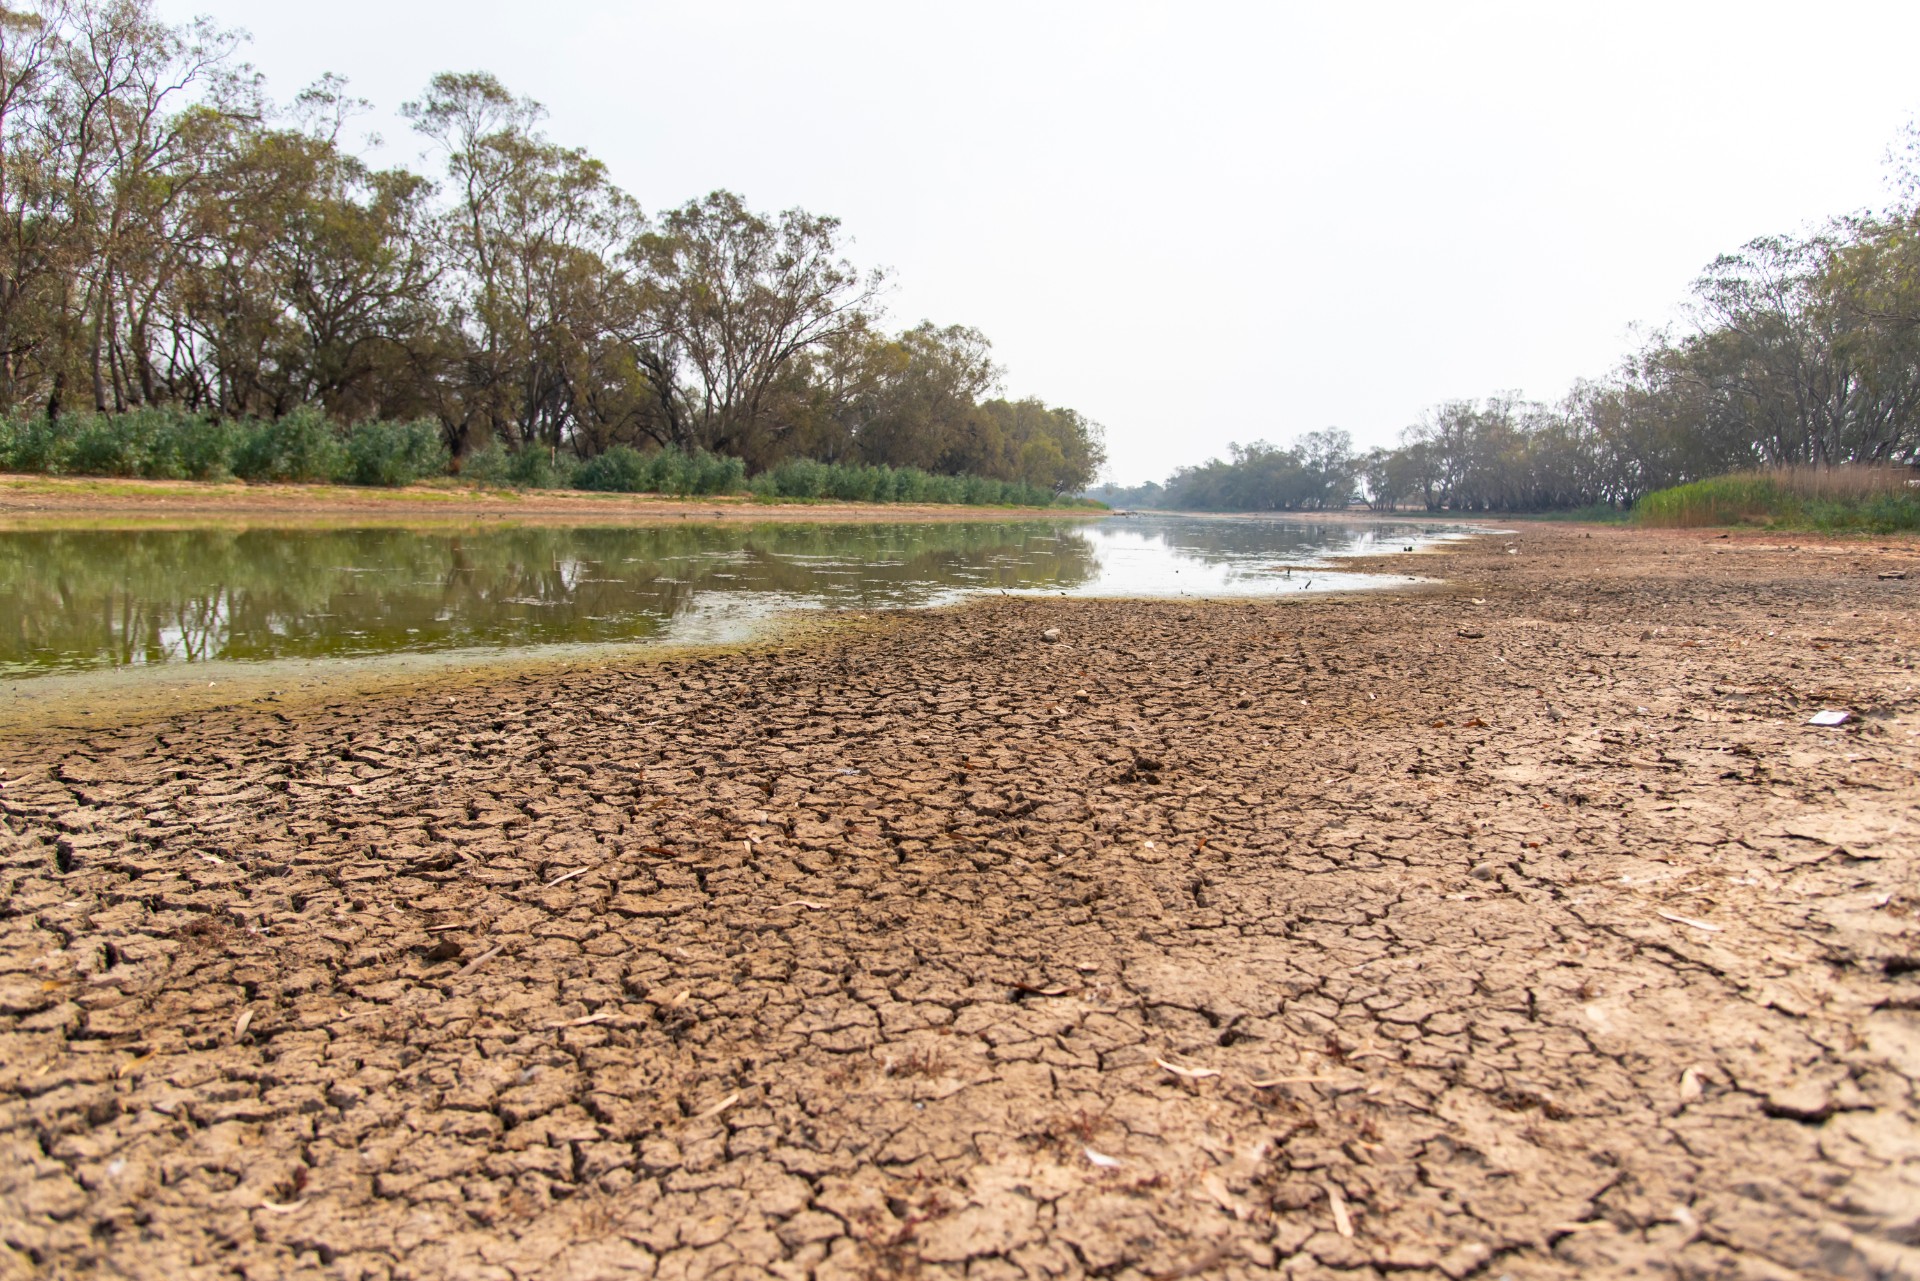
1202 223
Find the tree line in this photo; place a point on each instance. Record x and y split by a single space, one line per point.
172 237
1798 351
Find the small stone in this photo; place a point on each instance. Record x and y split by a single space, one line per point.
1485 871
1801 1101
444 950
1051 635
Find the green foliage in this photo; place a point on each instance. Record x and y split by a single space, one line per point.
1836 500
621 470
805 479
1592 514
388 453
531 468
152 443
171 444
1318 472
298 447
624 470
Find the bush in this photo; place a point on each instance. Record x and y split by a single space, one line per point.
193 447
390 453
803 478
697 473
531 467
621 470
157 443
39 444
300 446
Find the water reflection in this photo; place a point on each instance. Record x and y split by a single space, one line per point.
106 598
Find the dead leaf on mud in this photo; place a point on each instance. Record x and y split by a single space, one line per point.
279 1208
1216 1188
1342 1222
1690 1089
241 1024
1688 920
1290 1080
1191 1073
807 903
717 1108
483 958
1102 1160
568 876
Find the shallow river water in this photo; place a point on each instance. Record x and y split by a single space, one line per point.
88 599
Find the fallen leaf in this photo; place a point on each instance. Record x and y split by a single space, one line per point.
1687 920
1341 1222
1290 1080
1102 1160
1192 1074
1216 1187
482 959
1690 1089
241 1024
568 876
717 1108
278 1208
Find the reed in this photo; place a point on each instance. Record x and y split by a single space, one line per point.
1864 498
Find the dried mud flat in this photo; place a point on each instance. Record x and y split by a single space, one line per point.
1519 928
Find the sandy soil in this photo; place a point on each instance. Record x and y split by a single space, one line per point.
1520 928
36 500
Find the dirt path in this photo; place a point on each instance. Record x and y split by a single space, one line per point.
1520 929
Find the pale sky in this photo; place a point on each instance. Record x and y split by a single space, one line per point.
1201 223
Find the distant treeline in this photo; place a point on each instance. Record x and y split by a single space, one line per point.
170 238
1800 352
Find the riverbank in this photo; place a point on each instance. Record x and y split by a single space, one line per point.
37 501
1517 926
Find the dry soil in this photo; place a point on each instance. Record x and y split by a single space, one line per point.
1516 928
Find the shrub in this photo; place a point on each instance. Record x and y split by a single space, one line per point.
39 444
529 468
102 446
298 446
391 453
192 447
803 478
621 470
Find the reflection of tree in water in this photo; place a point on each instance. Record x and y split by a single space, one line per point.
105 598
1239 539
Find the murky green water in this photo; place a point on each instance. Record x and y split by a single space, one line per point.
89 599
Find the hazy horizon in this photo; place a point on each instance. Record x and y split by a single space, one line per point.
1212 227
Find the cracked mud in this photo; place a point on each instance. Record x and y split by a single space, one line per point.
1515 928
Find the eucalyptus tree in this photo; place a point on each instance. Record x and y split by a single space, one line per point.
733 300
538 295
922 393
134 105
34 252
